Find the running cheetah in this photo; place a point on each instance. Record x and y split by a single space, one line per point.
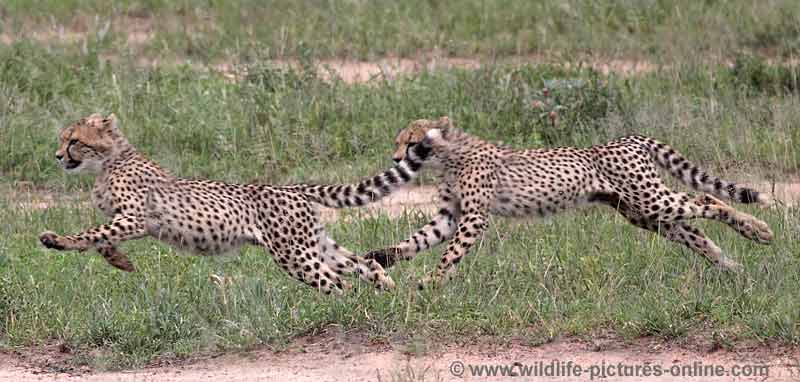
479 178
208 217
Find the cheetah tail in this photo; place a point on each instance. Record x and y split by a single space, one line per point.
374 188
695 177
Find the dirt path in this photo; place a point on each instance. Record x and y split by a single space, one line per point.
349 357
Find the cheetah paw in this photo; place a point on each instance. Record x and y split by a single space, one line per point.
385 283
754 229
50 240
430 282
763 234
728 265
121 262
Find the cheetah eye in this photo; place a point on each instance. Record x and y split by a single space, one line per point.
73 141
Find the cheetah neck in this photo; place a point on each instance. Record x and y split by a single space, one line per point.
460 137
459 142
121 152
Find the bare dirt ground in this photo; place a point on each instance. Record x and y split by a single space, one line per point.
337 356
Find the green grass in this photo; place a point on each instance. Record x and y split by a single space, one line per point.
289 125
224 29
574 274
536 283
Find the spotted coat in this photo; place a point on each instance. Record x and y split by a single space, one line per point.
208 217
478 178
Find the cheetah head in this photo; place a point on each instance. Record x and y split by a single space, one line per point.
87 143
415 132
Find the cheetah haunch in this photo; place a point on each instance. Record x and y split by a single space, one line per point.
208 217
479 178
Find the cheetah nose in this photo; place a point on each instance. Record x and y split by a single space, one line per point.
396 160
59 157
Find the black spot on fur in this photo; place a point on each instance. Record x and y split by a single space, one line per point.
378 181
404 175
748 196
391 178
382 257
413 165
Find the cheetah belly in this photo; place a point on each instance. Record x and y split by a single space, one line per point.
542 187
198 218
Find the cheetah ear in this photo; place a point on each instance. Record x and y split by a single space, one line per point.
111 122
434 134
435 138
445 124
110 126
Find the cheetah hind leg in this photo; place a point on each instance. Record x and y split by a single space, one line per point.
305 265
316 273
747 225
689 236
693 238
342 260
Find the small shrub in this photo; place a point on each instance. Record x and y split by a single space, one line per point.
565 108
756 75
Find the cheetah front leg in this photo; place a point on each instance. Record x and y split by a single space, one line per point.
470 227
440 228
104 238
475 194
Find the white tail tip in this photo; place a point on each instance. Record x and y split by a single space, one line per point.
765 200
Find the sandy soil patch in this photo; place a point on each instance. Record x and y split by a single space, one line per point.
786 194
136 31
337 356
422 199
388 68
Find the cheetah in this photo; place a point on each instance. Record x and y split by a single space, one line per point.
208 217
479 178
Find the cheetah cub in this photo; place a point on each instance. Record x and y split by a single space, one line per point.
479 178
208 217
